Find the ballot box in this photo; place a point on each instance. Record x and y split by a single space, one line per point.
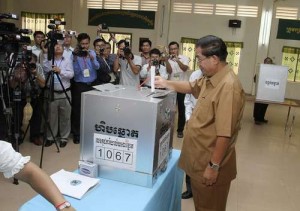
128 132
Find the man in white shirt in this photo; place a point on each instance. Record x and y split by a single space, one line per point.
128 64
39 37
189 103
177 67
68 49
154 61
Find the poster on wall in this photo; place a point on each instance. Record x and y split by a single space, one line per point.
288 29
122 18
271 83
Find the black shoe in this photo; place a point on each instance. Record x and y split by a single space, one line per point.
76 140
258 122
187 195
62 144
48 143
265 121
179 134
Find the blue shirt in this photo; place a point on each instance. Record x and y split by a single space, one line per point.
80 64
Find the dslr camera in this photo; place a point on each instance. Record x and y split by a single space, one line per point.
155 62
80 52
126 49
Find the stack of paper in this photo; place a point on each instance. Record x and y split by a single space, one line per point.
73 184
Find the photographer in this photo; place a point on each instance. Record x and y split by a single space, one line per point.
104 70
68 49
28 77
39 37
128 64
154 61
177 66
59 108
85 67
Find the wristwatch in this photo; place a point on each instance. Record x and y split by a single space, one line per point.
214 166
64 205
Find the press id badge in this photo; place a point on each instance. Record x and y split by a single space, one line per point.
86 73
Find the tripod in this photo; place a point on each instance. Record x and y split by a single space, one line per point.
50 98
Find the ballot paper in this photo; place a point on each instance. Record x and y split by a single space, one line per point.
73 184
108 87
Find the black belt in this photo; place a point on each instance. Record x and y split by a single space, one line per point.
61 91
88 83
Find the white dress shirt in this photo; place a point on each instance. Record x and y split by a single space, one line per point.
189 100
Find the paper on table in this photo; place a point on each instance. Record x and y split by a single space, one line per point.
73 184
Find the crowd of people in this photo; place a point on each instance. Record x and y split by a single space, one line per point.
58 78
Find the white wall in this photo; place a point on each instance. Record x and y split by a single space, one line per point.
176 25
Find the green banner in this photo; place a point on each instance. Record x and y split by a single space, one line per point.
122 18
288 29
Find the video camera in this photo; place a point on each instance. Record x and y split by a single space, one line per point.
10 35
54 36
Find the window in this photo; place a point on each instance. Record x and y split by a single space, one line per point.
94 4
287 13
225 9
233 49
146 5
234 53
149 5
39 21
118 36
290 58
130 4
188 49
182 7
247 11
207 9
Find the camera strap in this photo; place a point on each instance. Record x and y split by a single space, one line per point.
106 63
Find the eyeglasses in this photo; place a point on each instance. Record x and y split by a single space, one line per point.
202 59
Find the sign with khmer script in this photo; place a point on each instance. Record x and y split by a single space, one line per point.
122 18
288 29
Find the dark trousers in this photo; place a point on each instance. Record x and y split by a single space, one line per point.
76 90
181 112
259 111
36 118
188 183
3 128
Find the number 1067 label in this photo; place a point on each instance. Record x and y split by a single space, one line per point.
115 151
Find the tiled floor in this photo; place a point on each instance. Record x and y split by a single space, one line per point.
268 167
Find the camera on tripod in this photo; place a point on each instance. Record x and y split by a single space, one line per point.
10 35
54 36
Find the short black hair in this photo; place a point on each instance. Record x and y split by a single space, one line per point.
146 41
83 36
155 51
212 45
173 43
37 33
99 40
120 42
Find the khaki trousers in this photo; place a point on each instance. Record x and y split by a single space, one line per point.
209 198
